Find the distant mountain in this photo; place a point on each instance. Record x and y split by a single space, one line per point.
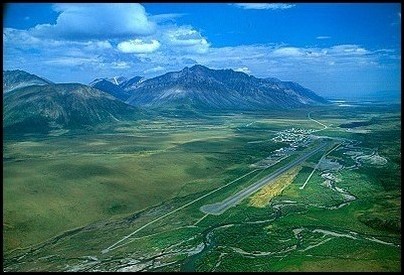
204 88
41 108
118 87
118 80
110 88
132 83
31 103
17 79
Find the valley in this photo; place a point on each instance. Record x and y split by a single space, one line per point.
203 137
129 195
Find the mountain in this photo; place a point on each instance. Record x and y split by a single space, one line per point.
110 88
118 80
17 79
204 88
118 87
41 108
273 79
132 83
31 103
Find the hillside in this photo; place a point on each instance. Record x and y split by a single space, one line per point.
54 106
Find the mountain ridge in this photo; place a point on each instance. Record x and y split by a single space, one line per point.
118 87
32 103
220 89
14 79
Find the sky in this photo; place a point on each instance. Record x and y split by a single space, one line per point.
334 49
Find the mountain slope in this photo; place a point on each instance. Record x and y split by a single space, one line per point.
17 79
118 87
131 83
204 88
42 108
110 88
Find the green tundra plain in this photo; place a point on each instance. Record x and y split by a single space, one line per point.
129 196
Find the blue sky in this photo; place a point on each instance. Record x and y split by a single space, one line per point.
333 49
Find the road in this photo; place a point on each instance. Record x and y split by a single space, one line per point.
316 121
317 165
220 207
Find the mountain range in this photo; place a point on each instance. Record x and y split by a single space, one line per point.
204 88
31 102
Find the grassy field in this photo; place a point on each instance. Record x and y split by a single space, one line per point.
55 184
111 181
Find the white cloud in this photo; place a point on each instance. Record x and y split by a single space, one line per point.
138 46
120 65
71 61
161 18
186 37
20 38
154 70
97 21
288 51
178 47
286 62
265 6
101 29
348 49
323 37
243 70
97 45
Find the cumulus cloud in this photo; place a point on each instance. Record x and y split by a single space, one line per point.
288 51
97 21
348 49
264 6
20 38
187 37
138 46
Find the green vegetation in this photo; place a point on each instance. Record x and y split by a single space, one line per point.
69 197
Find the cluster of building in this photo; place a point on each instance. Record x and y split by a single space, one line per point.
296 136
